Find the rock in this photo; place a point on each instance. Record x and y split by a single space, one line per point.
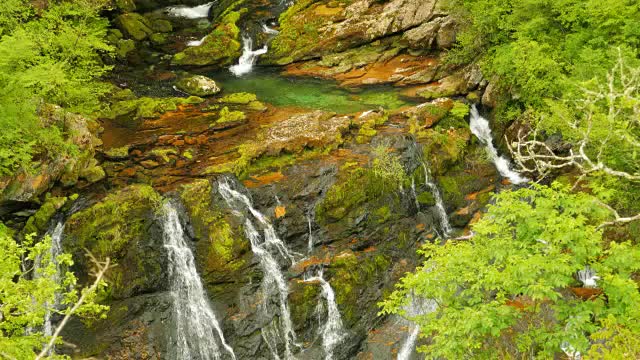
124 227
126 5
489 97
149 164
198 85
161 25
461 82
134 26
120 153
222 46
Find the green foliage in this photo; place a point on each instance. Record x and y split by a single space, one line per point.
505 293
27 292
52 57
537 49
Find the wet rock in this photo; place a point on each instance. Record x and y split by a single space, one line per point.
220 48
134 26
123 226
198 85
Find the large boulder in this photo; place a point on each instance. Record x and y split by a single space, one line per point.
134 26
198 85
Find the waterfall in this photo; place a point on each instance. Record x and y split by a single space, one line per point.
248 58
480 128
332 331
193 43
310 240
266 247
267 30
54 252
196 12
198 329
415 308
414 193
445 226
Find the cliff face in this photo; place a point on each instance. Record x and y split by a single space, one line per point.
352 194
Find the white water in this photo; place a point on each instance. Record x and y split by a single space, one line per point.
310 240
248 58
332 331
197 42
198 330
196 12
415 308
445 226
480 128
265 247
268 30
55 251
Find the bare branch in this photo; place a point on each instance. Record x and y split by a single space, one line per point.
99 270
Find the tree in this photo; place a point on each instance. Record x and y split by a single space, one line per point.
51 56
512 289
27 292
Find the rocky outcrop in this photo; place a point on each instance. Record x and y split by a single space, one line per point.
198 85
26 185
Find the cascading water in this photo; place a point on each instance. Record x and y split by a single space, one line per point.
445 226
332 331
248 58
415 308
266 247
56 250
480 128
193 43
310 240
196 12
198 331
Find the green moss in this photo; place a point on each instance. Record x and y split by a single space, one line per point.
221 47
161 25
352 276
134 26
426 198
163 153
382 214
188 154
131 112
303 300
256 106
227 115
93 174
158 39
124 47
39 222
118 153
224 243
242 98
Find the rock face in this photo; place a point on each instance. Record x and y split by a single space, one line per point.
198 85
28 184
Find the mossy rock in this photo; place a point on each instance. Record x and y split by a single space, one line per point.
122 226
426 198
125 5
222 47
134 26
228 116
222 249
39 222
198 85
241 98
161 25
131 113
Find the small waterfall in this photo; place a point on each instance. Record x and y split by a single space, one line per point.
196 12
480 128
266 247
248 58
267 30
333 330
198 329
445 226
310 240
55 251
415 308
414 193
193 43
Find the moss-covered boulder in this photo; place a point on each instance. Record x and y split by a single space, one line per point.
221 247
221 47
122 226
131 112
134 26
198 85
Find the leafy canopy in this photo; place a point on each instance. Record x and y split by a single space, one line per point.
27 292
52 55
506 293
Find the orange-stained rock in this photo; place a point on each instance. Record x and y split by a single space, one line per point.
190 140
178 143
128 172
280 211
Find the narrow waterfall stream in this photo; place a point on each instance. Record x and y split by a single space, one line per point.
248 58
415 308
480 128
445 226
196 12
54 252
332 331
266 247
198 332
310 240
